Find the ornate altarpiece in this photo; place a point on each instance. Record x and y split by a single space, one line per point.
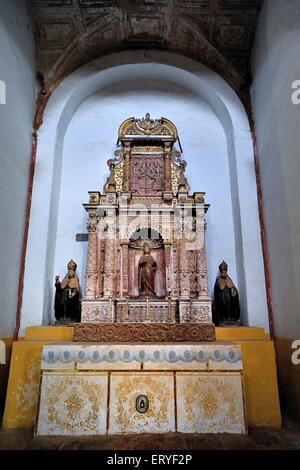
146 200
146 313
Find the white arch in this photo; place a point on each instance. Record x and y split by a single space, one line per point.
63 103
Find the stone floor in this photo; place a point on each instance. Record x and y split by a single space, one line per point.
257 439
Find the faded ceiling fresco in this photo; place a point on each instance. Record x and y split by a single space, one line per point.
218 33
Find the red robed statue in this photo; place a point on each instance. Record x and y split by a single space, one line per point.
147 268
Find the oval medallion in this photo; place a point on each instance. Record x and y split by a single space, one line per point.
142 404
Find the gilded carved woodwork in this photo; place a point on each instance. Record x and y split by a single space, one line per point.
175 175
147 149
119 174
126 170
148 127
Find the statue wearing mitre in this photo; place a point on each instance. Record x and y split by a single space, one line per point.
67 292
226 307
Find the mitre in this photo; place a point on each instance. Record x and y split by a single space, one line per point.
72 265
223 267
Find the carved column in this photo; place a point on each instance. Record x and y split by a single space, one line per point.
100 267
126 174
167 156
202 273
174 255
109 270
184 271
193 273
118 267
168 269
124 272
91 267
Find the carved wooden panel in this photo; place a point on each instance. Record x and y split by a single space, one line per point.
141 332
147 175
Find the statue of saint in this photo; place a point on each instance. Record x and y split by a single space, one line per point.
226 307
147 268
67 304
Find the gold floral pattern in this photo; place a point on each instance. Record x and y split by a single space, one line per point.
175 175
119 171
210 403
159 389
73 404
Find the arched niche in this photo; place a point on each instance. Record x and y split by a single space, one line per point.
151 237
128 66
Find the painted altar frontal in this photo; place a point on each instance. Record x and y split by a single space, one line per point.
114 388
146 284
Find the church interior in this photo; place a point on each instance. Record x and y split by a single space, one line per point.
150 229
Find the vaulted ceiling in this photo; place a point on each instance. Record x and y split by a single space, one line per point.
218 33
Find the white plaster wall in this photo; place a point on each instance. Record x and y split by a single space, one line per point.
90 141
133 67
275 66
17 70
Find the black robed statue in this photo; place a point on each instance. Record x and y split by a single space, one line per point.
67 303
226 306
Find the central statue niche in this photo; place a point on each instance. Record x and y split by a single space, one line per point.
140 266
146 264
147 268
